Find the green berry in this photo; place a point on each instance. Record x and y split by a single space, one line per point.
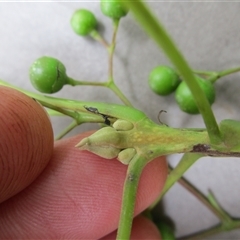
83 22
163 80
113 9
48 75
185 98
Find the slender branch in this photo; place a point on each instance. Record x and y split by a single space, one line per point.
187 160
158 33
96 36
235 224
134 171
71 126
69 113
200 196
74 82
116 110
207 73
109 84
202 234
223 215
228 71
111 50
119 93
223 73
54 113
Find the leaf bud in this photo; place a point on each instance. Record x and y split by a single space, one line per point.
122 125
103 143
126 155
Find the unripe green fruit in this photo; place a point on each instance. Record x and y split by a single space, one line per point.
163 80
48 75
83 22
185 98
113 9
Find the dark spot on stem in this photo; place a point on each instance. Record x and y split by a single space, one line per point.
106 121
150 152
95 111
203 148
131 177
92 109
206 150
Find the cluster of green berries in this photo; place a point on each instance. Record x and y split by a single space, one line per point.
48 74
84 22
164 80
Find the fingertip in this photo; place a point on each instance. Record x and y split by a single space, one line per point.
26 141
78 194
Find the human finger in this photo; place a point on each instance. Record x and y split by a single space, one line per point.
26 141
77 196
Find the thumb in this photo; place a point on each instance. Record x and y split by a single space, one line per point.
26 141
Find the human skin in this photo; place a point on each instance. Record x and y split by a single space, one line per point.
51 190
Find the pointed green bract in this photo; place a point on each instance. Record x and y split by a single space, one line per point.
126 155
103 143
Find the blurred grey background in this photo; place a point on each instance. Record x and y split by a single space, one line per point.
208 33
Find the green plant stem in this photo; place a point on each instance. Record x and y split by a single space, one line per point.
235 224
96 36
158 33
80 118
54 113
203 199
214 76
134 171
207 73
228 71
72 114
111 49
217 75
70 127
118 111
109 84
74 82
119 93
223 215
187 160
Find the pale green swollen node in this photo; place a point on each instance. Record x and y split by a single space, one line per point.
103 143
110 142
